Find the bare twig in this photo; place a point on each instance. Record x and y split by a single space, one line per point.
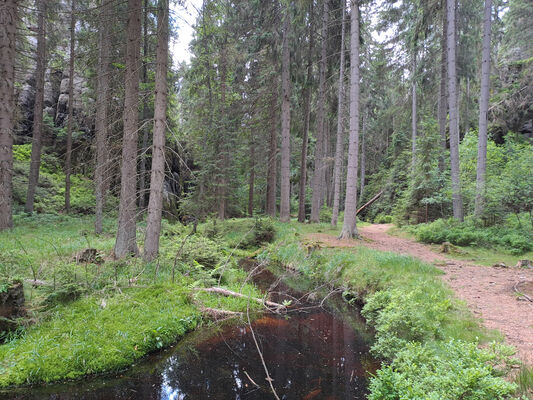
250 378
268 378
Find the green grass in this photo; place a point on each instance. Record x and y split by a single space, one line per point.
47 237
525 382
486 257
93 319
98 334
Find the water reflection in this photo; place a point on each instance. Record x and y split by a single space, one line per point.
311 354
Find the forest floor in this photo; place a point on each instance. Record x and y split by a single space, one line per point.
488 291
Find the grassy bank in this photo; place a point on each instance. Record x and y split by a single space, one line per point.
102 315
427 339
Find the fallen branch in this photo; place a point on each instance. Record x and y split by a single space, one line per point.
37 282
217 313
369 202
229 293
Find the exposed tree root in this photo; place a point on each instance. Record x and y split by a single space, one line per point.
525 296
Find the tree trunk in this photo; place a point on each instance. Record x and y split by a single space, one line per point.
8 28
145 130
222 150
483 113
101 115
126 232
155 203
443 103
363 156
349 228
272 158
319 175
307 116
284 208
252 177
339 148
457 201
68 159
329 157
35 164
413 112
467 106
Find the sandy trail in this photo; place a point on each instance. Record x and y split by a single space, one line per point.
487 291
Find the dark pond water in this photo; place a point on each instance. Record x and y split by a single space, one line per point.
310 354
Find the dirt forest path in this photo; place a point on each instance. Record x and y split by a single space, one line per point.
488 291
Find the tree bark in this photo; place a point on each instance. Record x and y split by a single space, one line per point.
145 130
101 115
272 158
363 157
8 28
222 150
251 179
349 228
457 201
35 163
339 148
307 116
413 112
483 113
68 158
319 175
284 208
126 232
443 103
467 106
155 203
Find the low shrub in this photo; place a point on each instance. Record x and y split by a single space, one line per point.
383 219
442 370
325 214
263 232
194 248
400 317
517 240
64 294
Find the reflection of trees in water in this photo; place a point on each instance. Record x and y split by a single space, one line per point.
307 354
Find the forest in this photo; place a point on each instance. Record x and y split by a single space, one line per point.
306 199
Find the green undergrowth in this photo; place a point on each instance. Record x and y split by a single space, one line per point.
475 254
100 316
427 340
513 238
50 192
